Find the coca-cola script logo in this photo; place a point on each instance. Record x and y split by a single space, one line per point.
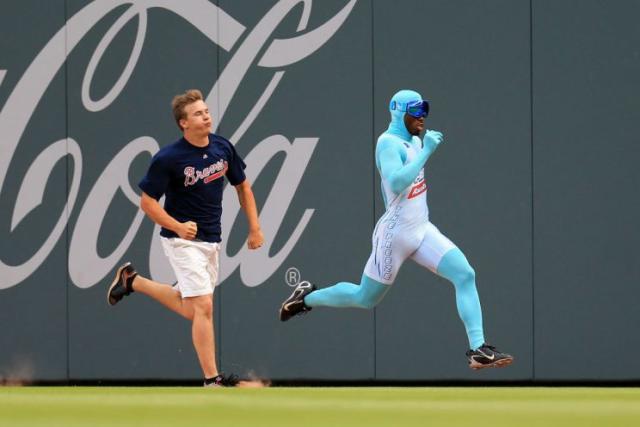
86 266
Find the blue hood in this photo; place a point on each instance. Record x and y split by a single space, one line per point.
397 108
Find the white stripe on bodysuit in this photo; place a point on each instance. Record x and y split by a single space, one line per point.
400 232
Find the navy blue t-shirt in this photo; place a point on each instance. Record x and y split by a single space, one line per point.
191 179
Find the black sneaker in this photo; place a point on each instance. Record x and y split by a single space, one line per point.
121 285
222 380
295 303
487 356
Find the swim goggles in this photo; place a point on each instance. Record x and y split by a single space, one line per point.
417 109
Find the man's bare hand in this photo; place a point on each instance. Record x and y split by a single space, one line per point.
187 230
256 239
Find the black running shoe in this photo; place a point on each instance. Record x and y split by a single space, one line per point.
222 380
121 285
487 356
295 303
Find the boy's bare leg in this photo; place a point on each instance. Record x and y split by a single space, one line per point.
202 332
164 294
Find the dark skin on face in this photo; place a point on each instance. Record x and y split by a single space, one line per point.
414 125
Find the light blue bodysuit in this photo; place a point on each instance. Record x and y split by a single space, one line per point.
404 230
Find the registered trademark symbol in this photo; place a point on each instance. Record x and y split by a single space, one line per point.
292 276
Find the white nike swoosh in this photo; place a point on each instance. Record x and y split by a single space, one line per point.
286 306
493 356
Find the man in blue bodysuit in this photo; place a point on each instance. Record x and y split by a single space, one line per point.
404 231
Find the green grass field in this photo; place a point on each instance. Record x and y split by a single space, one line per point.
321 406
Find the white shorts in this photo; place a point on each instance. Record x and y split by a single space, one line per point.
394 242
195 264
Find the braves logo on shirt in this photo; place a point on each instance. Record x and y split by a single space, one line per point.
210 173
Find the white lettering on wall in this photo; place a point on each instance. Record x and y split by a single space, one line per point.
86 266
